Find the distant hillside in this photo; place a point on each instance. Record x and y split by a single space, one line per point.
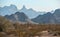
8 10
30 12
57 15
49 18
18 16
29 15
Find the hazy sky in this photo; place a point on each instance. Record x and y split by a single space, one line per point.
38 5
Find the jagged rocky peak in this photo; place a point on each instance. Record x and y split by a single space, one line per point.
10 6
24 7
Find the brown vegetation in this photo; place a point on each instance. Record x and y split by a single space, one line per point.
25 30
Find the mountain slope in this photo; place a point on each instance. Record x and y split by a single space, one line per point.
45 19
18 16
57 15
8 10
30 12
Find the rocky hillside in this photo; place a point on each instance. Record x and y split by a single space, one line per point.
48 18
18 16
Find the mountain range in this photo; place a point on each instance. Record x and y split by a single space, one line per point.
19 17
49 18
30 12
25 15
8 10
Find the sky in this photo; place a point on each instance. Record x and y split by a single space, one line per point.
38 5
